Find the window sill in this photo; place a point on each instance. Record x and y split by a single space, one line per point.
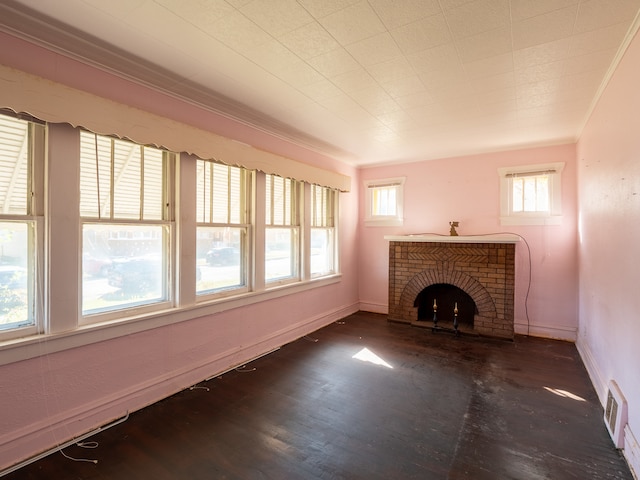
36 345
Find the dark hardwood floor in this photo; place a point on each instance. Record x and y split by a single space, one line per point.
443 408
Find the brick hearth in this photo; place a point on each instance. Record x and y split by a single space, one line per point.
484 270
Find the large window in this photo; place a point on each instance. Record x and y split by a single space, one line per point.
384 202
530 194
222 227
323 231
282 229
122 228
21 167
125 209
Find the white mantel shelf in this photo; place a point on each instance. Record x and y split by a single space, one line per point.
492 238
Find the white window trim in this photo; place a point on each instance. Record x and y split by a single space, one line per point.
553 217
384 220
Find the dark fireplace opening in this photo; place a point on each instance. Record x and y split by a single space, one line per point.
446 296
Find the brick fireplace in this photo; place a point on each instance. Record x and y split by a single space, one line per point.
481 266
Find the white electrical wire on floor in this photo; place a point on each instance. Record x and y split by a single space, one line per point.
77 440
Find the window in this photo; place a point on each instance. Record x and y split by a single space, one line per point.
21 188
126 224
530 195
282 229
383 202
323 231
222 227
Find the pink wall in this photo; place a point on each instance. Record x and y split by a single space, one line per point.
56 395
609 213
466 190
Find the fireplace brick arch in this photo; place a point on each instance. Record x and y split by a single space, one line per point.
447 275
485 271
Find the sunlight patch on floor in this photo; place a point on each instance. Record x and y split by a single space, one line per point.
366 355
564 393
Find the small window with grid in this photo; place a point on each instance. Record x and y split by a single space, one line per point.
531 194
384 202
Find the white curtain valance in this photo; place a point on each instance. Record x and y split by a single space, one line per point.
56 103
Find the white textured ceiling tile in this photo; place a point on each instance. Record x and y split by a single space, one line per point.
539 73
375 100
239 33
507 107
382 134
277 18
534 89
202 13
423 34
494 82
508 72
392 70
396 14
492 115
239 3
456 108
451 4
446 88
272 56
352 24
414 100
334 63
346 108
535 101
591 79
322 8
521 9
309 41
505 95
539 54
321 90
394 119
299 74
450 78
354 80
594 14
544 28
602 39
377 49
477 17
405 86
490 66
599 61
484 45
442 57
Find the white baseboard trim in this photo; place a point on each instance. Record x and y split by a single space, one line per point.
546 331
59 428
374 308
597 380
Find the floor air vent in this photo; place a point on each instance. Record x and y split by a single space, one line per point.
615 414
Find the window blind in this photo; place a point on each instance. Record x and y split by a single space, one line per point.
56 103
